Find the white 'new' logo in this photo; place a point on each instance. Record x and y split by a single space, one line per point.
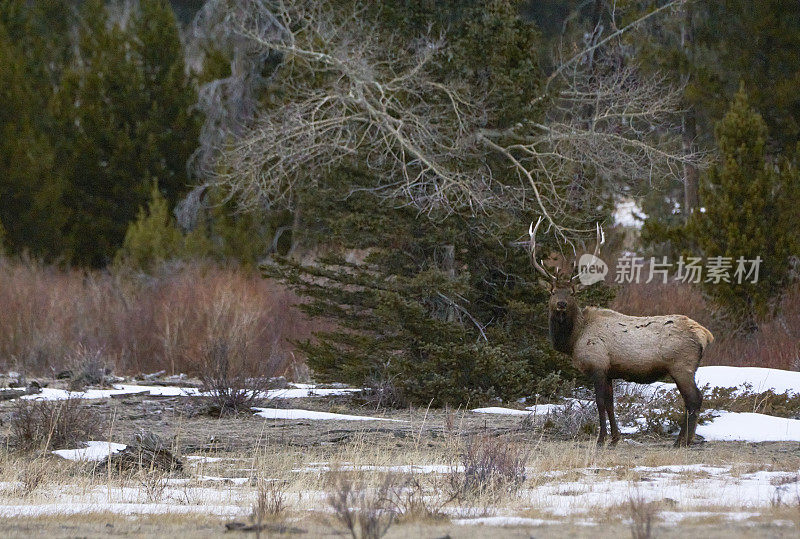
591 269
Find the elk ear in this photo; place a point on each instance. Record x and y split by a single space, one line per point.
577 287
547 285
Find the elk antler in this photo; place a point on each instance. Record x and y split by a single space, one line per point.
532 231
601 239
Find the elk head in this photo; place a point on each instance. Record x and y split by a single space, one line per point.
563 308
561 285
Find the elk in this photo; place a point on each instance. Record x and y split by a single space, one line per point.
607 345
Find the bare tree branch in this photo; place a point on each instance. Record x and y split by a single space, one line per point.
348 92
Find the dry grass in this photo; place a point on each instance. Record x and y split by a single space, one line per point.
285 486
775 344
369 496
491 468
45 425
642 514
365 512
137 323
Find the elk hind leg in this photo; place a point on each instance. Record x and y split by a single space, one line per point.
693 399
600 396
612 420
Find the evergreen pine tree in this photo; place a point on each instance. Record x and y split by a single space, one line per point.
747 202
30 194
170 126
444 308
2 239
125 111
100 105
154 237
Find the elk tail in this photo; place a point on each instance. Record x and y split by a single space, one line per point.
702 336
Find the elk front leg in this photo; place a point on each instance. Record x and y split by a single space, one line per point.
600 396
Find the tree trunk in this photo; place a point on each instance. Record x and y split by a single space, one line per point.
449 266
691 197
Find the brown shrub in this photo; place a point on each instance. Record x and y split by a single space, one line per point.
229 390
49 425
490 467
367 513
144 323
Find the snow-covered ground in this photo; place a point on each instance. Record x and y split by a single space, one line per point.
577 492
749 427
290 413
94 450
298 392
725 426
687 491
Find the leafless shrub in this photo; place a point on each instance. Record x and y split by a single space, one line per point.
366 512
412 501
642 513
86 367
49 425
270 501
744 399
153 482
573 418
659 411
143 323
490 467
382 392
229 390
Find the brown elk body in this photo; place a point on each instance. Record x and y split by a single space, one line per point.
608 345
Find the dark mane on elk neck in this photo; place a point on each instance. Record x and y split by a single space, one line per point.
562 327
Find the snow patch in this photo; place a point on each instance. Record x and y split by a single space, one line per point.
305 392
760 378
293 413
94 451
750 427
539 409
319 467
504 521
500 410
52 394
627 213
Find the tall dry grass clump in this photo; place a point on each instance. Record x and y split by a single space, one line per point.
145 323
775 344
49 425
